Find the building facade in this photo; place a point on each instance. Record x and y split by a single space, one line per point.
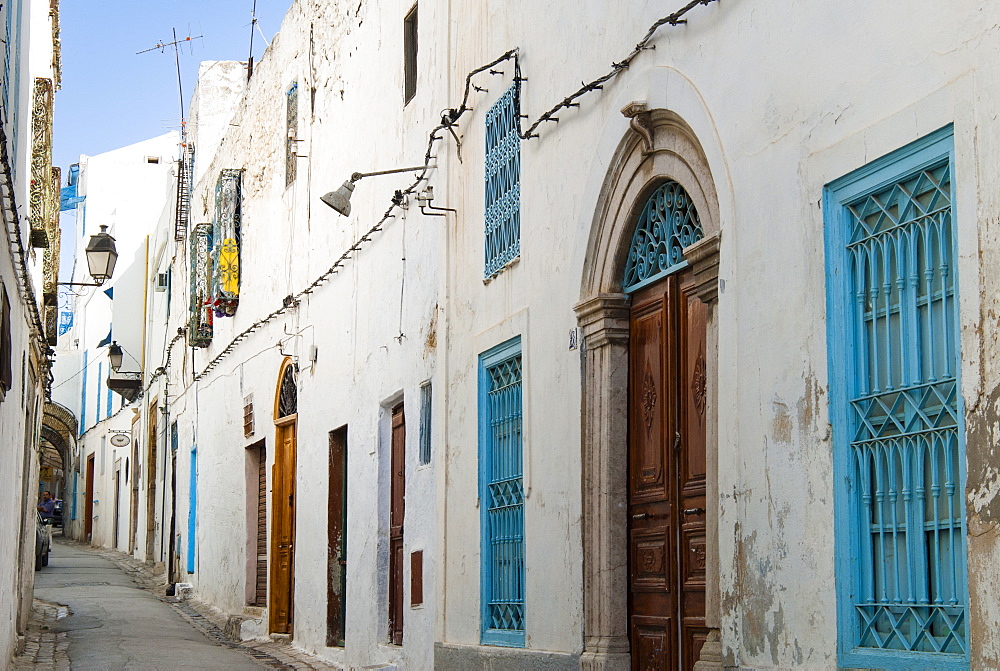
29 268
669 346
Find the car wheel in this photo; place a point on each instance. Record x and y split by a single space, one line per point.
45 559
38 562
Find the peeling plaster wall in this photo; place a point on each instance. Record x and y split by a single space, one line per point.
783 97
372 324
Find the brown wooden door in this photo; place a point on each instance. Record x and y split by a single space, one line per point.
666 476
151 457
336 592
283 527
396 514
88 506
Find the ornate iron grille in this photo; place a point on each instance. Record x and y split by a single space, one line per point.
503 182
668 224
40 189
182 205
905 443
288 396
226 235
504 500
291 131
201 325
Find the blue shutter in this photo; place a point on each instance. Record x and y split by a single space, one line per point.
501 495
192 510
83 395
100 378
896 407
503 182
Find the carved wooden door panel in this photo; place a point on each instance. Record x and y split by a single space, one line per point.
283 528
666 506
692 401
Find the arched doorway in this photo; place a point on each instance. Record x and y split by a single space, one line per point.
650 501
280 602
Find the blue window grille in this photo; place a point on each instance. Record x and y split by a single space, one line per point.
669 222
897 410
100 377
83 395
192 510
501 495
425 423
503 182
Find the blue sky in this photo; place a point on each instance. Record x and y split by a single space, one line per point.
112 97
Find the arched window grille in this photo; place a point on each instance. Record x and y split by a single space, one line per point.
288 396
669 222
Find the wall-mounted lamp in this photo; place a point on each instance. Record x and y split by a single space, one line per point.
340 199
115 355
128 385
101 259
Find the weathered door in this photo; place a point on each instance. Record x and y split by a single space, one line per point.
260 573
667 476
88 506
396 513
283 529
337 540
151 480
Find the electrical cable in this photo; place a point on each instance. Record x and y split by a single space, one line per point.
448 119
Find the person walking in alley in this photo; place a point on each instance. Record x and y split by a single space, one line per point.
47 506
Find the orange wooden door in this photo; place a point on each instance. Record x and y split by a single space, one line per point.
283 527
666 504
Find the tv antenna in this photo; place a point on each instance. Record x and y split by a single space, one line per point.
177 60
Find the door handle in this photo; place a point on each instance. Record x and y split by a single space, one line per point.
694 511
640 516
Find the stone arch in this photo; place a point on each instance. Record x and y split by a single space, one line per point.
658 146
59 429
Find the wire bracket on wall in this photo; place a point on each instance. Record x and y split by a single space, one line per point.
448 120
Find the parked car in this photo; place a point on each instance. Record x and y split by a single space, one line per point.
57 514
43 540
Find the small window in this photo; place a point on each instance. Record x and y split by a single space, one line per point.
248 416
410 55
154 160
425 423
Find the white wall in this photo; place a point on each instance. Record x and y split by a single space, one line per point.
782 98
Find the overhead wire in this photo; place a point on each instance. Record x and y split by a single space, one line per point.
449 118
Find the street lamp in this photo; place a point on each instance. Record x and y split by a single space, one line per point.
115 355
101 259
340 199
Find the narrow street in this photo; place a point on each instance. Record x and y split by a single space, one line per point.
96 609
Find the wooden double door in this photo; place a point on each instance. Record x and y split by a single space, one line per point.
666 492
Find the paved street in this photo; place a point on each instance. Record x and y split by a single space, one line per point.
90 614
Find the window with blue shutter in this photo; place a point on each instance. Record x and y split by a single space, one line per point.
503 182
896 408
501 492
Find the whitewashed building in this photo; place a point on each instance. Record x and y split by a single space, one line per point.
129 192
29 267
656 340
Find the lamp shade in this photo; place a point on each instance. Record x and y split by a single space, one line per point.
101 256
115 355
340 199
